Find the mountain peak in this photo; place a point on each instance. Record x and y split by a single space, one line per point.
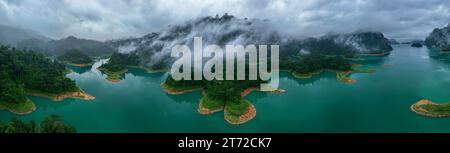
13 35
71 37
439 38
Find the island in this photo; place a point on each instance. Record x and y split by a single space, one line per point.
119 63
219 95
439 39
75 57
174 87
335 53
416 44
428 108
308 66
26 73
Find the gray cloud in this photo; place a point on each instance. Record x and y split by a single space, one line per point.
108 19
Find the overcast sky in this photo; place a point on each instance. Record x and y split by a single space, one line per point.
108 19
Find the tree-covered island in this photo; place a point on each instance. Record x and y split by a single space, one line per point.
312 57
428 108
219 95
118 64
25 73
76 58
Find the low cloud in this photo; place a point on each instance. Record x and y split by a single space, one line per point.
109 19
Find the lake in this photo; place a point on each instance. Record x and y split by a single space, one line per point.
378 102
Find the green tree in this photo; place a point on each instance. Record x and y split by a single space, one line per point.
10 128
10 92
55 124
76 57
223 90
51 124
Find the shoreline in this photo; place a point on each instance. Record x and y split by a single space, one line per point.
172 92
75 95
31 110
114 77
247 91
307 75
206 111
113 80
341 76
344 78
232 119
247 116
416 108
375 54
25 113
148 70
80 65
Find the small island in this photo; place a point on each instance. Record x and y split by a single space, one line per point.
77 58
428 108
19 108
118 64
439 39
219 95
76 94
311 65
416 45
32 74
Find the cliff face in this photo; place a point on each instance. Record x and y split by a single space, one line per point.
363 42
154 48
439 39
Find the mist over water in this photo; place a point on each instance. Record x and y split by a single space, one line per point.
223 30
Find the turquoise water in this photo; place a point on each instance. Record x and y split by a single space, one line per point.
378 102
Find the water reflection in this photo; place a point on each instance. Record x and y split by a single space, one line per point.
438 55
374 61
79 70
137 72
190 97
47 104
310 81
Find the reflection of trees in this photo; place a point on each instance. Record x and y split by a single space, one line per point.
142 73
438 55
309 81
255 96
375 61
191 97
371 61
47 104
79 70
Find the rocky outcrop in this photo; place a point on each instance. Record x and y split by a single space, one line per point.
393 42
362 42
439 39
154 49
